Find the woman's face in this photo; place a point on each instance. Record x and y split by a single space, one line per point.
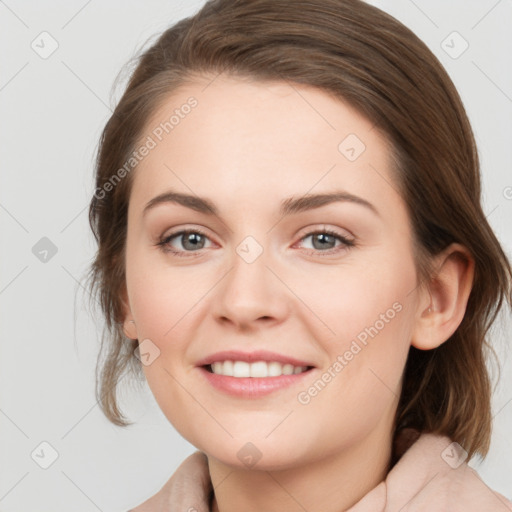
254 168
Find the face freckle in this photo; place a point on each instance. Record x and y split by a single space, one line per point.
326 282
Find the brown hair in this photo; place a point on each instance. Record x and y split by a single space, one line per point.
367 58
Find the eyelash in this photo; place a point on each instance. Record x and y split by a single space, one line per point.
164 241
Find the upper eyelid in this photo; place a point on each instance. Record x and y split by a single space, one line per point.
313 226
323 227
183 231
302 233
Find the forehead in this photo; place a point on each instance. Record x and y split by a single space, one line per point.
242 141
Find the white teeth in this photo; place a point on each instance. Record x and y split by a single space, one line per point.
217 367
274 369
258 369
241 369
227 368
288 369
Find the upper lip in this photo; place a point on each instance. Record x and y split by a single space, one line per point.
251 357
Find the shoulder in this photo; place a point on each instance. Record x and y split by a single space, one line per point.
436 476
463 488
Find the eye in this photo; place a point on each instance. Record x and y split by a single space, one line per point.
191 240
325 241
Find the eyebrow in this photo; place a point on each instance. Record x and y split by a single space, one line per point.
288 206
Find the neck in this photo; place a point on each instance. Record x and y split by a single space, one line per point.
331 484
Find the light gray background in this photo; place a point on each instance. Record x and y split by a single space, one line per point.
52 112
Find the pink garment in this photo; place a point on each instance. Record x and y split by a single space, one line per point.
429 476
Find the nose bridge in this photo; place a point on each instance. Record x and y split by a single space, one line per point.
250 290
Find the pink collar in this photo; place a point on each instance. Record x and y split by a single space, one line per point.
430 475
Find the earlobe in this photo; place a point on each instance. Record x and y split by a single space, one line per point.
129 327
445 298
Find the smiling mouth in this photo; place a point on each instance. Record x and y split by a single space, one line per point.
257 369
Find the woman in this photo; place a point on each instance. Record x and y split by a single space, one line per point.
345 377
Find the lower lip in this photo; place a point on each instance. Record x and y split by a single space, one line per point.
252 387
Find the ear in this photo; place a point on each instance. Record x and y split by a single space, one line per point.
129 327
444 299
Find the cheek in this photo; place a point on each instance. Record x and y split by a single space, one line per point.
160 296
369 310
372 314
350 299
164 303
361 383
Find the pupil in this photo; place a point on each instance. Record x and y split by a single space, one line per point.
323 237
192 238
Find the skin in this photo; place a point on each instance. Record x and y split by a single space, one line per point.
246 147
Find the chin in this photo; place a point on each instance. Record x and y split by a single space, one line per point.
251 452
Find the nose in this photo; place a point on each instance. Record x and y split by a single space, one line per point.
251 294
